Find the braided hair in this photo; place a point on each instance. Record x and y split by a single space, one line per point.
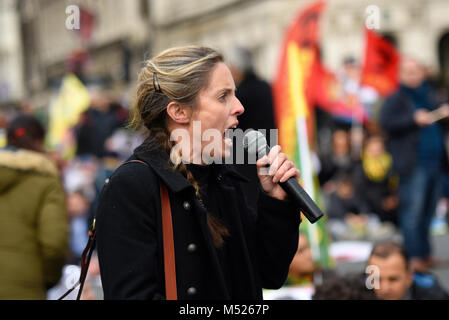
176 74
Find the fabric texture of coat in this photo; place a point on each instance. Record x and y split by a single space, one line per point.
129 235
33 225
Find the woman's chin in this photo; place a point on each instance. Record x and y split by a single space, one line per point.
219 153
227 148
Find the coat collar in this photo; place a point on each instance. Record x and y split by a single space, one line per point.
159 160
27 160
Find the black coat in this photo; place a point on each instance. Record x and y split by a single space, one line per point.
95 127
396 118
129 235
372 193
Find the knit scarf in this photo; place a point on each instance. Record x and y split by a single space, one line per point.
376 168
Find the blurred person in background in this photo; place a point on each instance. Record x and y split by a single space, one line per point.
350 76
256 97
122 143
70 274
344 287
302 267
33 216
375 182
253 92
3 126
357 93
118 148
337 162
303 275
107 165
79 180
98 123
397 280
347 214
415 140
78 210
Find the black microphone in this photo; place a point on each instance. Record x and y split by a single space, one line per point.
255 142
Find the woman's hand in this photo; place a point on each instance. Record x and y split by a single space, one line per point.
280 170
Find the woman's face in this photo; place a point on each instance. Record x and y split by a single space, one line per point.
216 110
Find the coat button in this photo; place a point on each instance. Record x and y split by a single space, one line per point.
186 205
219 177
191 248
191 291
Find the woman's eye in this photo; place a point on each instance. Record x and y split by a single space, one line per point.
222 98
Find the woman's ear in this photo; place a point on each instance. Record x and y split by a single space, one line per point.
179 113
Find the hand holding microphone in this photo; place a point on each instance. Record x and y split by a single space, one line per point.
273 168
282 175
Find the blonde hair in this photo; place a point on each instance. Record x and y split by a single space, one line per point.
176 74
181 72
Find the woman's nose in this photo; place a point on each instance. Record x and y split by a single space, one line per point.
238 108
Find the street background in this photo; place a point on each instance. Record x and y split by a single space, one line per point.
73 65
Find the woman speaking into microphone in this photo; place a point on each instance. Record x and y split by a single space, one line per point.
173 225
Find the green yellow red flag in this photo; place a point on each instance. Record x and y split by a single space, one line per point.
295 117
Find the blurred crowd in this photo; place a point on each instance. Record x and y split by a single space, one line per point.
383 181
61 191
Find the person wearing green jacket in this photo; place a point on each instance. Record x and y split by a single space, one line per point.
33 217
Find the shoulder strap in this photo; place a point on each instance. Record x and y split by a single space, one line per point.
85 261
169 246
168 242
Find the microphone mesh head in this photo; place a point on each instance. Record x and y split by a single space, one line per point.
255 142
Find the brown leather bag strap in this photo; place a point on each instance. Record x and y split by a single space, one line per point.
169 246
85 261
169 249
171 292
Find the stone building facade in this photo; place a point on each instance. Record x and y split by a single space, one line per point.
11 59
419 28
120 35
126 32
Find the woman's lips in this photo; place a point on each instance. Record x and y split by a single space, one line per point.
226 136
231 127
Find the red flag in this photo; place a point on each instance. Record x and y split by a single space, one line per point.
326 93
322 89
381 64
303 33
295 115
87 24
